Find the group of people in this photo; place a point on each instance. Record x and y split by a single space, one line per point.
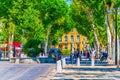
88 54
5 53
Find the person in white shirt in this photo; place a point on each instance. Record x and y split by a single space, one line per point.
93 53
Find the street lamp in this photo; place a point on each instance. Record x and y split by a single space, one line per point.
116 51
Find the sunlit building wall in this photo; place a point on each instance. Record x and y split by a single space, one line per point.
71 39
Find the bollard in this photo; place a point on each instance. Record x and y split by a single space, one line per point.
92 63
78 61
63 63
17 61
58 66
22 55
30 60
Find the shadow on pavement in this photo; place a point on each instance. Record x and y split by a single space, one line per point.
95 69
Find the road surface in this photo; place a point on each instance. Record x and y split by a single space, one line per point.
12 71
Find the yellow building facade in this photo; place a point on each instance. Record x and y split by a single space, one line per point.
73 38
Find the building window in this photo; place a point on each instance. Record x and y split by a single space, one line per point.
78 38
72 38
66 38
60 40
65 46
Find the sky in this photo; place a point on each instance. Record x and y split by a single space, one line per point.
68 2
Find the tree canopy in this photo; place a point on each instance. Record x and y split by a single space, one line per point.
48 20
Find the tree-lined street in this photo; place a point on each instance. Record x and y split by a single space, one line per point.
37 25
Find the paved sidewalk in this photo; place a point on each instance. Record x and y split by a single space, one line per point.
72 72
49 75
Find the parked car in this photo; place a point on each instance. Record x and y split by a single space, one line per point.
55 53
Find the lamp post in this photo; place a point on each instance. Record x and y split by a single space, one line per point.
116 45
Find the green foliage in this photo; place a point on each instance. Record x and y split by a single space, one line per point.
102 35
66 52
3 34
119 23
52 10
24 16
31 48
37 16
83 21
80 19
32 25
56 35
55 18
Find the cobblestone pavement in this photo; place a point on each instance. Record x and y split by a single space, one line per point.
72 72
10 71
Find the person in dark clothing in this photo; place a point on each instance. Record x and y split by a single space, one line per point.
14 51
75 53
104 56
88 55
79 54
1 54
84 53
73 56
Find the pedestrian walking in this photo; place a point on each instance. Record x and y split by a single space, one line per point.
14 51
88 55
1 51
93 53
75 54
79 54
